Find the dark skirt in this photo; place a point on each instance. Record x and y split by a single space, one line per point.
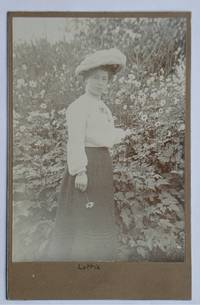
84 233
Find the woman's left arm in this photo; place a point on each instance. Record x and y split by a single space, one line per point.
118 134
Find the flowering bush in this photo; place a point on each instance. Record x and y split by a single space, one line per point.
147 100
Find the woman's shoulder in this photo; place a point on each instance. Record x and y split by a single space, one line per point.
107 107
77 105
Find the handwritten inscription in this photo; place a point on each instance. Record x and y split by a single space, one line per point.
88 267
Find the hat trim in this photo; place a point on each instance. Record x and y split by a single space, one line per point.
100 58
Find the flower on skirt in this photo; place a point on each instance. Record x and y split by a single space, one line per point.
90 204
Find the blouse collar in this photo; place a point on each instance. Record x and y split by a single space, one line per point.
92 99
93 103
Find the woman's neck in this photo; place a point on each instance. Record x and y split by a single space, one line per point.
92 95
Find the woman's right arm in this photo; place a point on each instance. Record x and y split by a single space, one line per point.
76 123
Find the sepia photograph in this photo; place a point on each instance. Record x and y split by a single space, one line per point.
99 118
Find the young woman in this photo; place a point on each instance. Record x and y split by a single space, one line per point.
85 228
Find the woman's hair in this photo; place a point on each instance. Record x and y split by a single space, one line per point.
111 69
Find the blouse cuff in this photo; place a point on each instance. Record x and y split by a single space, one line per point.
119 135
77 171
81 171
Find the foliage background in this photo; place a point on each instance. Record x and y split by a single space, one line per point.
147 99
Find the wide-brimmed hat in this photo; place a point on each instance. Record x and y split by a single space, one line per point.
108 57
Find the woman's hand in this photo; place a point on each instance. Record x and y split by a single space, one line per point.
81 181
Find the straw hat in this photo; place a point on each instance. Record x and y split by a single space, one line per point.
108 57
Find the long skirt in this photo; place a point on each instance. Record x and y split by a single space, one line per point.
85 227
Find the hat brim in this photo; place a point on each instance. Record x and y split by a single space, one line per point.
112 58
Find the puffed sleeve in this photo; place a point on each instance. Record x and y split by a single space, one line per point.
76 124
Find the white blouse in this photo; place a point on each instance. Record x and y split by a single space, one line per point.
90 123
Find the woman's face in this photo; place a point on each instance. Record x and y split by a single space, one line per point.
97 82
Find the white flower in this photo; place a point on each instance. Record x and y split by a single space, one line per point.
182 127
160 110
148 82
42 93
32 84
20 83
117 29
114 77
24 67
132 243
153 95
22 128
43 106
117 101
128 132
137 84
157 124
125 107
90 205
121 80
163 102
131 76
144 117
